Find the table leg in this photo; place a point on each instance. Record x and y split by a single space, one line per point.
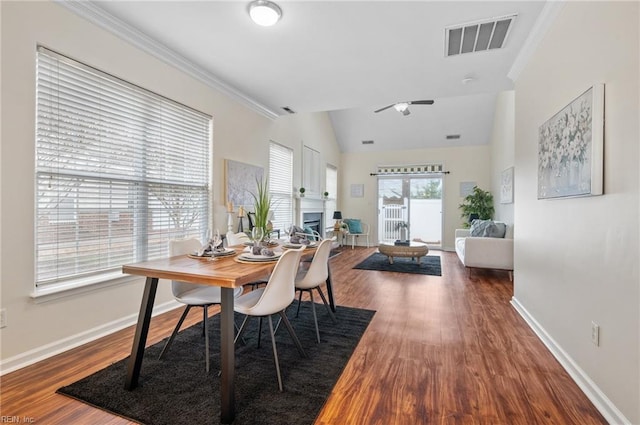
332 303
227 354
140 337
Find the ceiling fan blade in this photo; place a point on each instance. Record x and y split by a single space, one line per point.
421 102
382 109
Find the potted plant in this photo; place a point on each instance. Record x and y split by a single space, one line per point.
302 190
480 203
261 206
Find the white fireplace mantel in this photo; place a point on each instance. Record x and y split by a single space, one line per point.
309 205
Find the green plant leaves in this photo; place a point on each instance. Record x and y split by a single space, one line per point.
478 202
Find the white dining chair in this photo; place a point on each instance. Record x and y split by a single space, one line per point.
271 299
237 238
193 295
316 275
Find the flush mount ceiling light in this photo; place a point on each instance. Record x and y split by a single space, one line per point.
264 12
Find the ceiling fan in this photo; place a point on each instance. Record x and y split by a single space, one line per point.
403 107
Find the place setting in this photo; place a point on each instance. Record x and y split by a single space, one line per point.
213 248
297 239
259 251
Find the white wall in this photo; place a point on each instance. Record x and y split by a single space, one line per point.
37 329
502 147
576 260
464 163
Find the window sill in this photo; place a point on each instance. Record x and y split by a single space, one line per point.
77 287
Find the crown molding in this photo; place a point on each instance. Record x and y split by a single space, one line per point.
547 16
100 17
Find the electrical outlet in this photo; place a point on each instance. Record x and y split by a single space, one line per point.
595 334
3 318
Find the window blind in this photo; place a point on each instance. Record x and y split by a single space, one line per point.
120 171
281 185
331 185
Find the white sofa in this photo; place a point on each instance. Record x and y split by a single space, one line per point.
486 252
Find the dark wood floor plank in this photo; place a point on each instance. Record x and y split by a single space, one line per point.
444 349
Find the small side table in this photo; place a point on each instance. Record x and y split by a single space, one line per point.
340 235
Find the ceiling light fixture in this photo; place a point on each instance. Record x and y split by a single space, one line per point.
264 12
402 107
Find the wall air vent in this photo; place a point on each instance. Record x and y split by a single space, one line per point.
367 142
289 110
477 36
453 136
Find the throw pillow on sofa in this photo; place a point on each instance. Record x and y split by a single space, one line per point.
478 227
487 229
496 230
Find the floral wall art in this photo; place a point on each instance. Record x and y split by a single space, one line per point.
570 148
241 181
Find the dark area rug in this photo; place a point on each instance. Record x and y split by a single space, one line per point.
177 390
429 265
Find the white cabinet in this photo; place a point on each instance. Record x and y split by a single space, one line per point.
311 170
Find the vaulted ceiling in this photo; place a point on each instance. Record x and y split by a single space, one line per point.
349 58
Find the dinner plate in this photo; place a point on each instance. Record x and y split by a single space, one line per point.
247 256
226 252
269 244
298 245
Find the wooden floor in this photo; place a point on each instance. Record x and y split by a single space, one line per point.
440 350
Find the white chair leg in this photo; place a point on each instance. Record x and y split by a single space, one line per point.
292 333
315 317
275 353
243 327
175 331
326 304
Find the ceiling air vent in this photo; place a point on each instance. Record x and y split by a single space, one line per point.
289 110
453 136
367 142
478 36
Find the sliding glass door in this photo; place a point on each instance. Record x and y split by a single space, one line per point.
410 208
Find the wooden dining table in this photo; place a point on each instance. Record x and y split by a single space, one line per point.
225 272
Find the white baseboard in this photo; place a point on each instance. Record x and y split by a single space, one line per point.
588 387
49 350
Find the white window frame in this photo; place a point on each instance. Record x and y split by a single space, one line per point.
281 185
120 151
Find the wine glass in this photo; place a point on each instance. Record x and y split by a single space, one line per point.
256 234
216 240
